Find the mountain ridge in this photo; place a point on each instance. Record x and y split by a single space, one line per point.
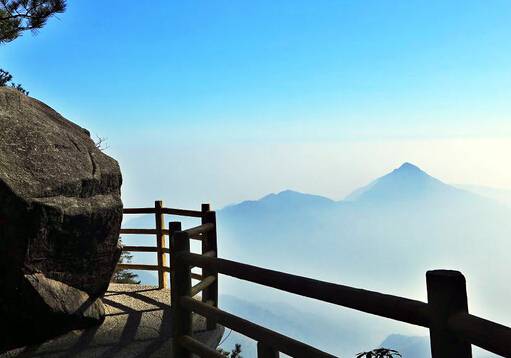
373 244
408 182
384 241
287 194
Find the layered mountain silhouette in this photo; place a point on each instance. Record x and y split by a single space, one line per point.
398 211
384 237
502 196
406 183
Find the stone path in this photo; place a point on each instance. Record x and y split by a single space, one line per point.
137 324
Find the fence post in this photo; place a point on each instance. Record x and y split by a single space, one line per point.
160 244
174 226
264 351
447 295
181 286
210 244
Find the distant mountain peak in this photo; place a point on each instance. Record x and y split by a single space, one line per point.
284 194
409 166
408 182
289 192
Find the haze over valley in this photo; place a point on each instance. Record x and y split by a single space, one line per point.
362 143
384 236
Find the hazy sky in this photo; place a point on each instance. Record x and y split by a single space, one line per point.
228 100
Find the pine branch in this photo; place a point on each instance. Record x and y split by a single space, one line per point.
17 16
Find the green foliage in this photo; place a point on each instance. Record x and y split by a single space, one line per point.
6 80
17 16
379 353
235 353
18 87
125 276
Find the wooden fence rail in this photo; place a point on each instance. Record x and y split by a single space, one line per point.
160 232
452 329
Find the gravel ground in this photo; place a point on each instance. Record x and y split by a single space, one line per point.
137 324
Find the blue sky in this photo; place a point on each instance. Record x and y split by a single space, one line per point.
224 77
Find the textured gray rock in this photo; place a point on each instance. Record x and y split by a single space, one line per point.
63 304
60 206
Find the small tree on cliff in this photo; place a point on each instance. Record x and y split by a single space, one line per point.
379 353
235 353
125 276
6 80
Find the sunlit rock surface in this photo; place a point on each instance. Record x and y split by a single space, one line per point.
60 214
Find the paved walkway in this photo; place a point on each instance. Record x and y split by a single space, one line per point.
137 324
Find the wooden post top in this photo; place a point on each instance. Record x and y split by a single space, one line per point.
174 226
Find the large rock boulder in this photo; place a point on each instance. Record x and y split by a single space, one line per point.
58 301
60 216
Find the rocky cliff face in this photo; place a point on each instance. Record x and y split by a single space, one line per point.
60 210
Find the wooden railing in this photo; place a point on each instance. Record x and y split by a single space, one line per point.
159 212
452 329
208 284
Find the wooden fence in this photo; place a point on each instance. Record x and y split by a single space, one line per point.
452 329
159 212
